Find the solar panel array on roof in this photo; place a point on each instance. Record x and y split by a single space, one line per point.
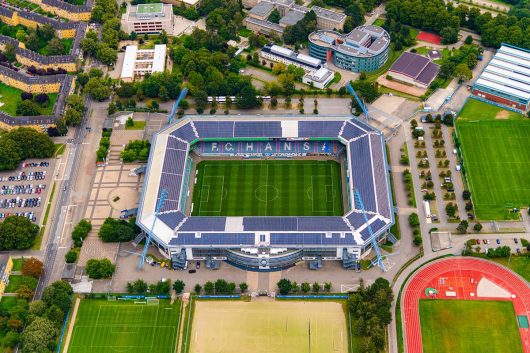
361 171
428 74
270 223
329 129
171 177
258 129
351 131
356 219
376 227
215 129
322 224
225 239
171 219
173 143
204 224
380 178
185 132
410 64
292 239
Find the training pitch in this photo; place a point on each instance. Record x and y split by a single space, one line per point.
268 188
268 326
467 326
496 159
122 326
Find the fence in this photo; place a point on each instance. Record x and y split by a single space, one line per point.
235 296
331 296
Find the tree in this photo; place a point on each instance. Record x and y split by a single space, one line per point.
305 287
17 233
462 227
316 287
10 52
97 269
468 40
9 156
450 209
58 293
39 336
247 99
11 339
25 292
284 286
32 42
28 108
466 195
32 267
209 288
275 16
328 286
97 89
60 126
477 227
71 256
472 61
243 287
106 55
46 32
449 35
178 286
114 230
76 102
56 47
414 220
197 288
80 232
462 72
73 117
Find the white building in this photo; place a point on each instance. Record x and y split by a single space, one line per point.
290 57
319 79
138 62
148 18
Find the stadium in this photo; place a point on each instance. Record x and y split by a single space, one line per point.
263 193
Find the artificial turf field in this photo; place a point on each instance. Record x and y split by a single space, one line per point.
494 145
121 326
268 327
469 326
268 188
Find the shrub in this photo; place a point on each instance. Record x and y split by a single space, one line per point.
97 269
80 232
32 267
71 256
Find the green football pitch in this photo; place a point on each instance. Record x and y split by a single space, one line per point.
469 326
268 188
122 326
268 327
496 159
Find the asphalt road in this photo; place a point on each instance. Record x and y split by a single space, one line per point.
64 189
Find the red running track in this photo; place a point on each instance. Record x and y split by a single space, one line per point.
460 276
429 37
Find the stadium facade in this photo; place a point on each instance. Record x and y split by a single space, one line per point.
364 49
265 243
506 79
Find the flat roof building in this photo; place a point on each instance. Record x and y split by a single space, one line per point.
506 79
138 62
148 18
414 69
364 49
288 57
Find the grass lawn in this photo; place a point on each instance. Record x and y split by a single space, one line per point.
494 145
15 281
379 22
245 32
10 97
122 326
268 326
268 188
518 264
467 326
138 125
7 303
17 264
59 149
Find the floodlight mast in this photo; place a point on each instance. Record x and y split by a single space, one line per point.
159 205
360 206
359 101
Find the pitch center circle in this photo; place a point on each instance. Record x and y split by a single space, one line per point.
266 193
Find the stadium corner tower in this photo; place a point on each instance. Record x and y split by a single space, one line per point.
200 216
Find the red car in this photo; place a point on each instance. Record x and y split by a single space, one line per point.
478 241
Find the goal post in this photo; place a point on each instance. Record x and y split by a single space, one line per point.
111 298
152 301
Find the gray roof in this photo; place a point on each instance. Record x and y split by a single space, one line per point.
262 9
328 14
416 66
291 18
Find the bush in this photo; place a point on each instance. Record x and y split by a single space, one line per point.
179 286
137 150
98 269
117 230
284 285
80 232
71 256
32 267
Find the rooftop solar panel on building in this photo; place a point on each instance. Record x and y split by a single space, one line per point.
258 129
351 131
206 239
185 132
215 129
376 226
204 224
270 224
171 219
176 144
329 129
383 201
361 171
428 74
356 219
410 64
310 239
322 224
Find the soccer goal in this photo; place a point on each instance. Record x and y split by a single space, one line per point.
153 301
111 298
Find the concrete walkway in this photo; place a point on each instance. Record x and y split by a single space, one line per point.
71 326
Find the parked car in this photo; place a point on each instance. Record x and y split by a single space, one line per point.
484 241
518 251
198 265
478 241
515 241
192 271
498 241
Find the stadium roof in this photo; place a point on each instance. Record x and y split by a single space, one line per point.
507 73
418 67
168 166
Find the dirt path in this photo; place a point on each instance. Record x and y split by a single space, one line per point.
185 299
71 326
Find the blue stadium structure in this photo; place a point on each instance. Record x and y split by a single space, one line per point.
266 243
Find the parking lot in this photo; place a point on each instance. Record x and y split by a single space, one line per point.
24 191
